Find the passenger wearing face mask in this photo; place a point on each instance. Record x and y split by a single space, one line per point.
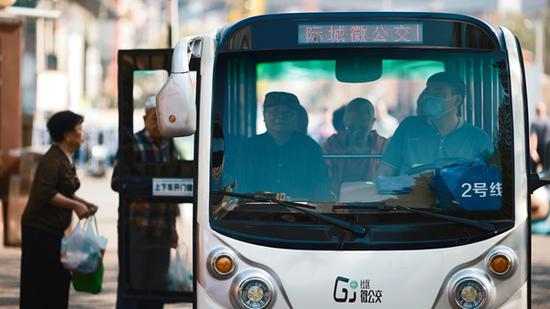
437 136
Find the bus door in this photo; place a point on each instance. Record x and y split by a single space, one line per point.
154 178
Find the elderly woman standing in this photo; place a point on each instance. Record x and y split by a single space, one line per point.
44 281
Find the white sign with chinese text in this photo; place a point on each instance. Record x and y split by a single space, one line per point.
172 187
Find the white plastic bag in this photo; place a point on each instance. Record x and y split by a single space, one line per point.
179 277
82 250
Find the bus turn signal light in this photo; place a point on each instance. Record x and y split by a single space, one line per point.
502 261
500 264
224 264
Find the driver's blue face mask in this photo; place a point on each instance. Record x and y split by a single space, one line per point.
432 107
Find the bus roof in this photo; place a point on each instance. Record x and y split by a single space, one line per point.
282 31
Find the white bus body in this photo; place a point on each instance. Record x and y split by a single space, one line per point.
456 275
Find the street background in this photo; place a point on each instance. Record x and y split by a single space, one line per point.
62 54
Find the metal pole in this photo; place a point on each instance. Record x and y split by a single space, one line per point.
173 23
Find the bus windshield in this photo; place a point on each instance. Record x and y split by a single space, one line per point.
395 141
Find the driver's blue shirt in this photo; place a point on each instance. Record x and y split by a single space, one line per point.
417 142
295 168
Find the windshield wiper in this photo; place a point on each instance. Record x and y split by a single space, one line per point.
382 206
354 228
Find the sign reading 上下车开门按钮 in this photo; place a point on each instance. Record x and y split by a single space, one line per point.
396 33
172 187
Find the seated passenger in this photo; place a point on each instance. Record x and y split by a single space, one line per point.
438 135
357 138
282 160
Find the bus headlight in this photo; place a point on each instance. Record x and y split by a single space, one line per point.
470 293
252 290
471 289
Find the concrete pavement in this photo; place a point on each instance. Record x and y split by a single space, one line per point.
9 283
540 272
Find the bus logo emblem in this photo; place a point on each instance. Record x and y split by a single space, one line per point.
346 290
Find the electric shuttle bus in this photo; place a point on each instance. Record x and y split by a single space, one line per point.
332 160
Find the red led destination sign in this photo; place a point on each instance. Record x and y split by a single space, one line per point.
380 33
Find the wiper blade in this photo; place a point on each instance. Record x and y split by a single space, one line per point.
381 206
486 226
354 228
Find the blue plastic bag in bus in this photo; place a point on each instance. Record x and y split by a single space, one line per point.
476 186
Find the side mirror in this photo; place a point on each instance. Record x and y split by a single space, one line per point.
176 108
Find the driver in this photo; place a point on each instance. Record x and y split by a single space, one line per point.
437 134
282 160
